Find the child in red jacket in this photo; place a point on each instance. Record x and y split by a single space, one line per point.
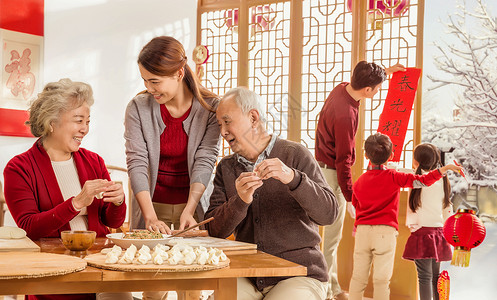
376 200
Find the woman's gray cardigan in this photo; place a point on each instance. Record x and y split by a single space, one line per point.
143 127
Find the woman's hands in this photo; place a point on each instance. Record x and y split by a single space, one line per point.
157 225
90 190
186 220
114 194
99 188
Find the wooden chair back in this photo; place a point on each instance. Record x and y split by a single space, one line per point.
119 174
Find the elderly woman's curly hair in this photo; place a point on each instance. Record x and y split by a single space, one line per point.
56 99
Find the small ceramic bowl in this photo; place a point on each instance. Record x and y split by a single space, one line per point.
78 240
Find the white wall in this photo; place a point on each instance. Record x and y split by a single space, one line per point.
98 41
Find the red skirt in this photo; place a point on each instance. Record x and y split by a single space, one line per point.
427 242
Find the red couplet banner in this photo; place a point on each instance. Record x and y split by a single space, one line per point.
398 106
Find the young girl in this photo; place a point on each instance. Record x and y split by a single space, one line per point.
428 208
172 139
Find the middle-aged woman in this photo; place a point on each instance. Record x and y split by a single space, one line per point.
172 139
54 185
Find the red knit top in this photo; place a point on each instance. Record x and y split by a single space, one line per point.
335 135
173 181
376 194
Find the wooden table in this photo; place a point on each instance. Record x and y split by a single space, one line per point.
92 280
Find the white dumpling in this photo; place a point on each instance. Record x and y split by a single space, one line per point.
161 253
175 252
158 260
161 247
143 258
222 256
129 255
164 255
132 249
125 261
10 232
179 247
106 250
187 250
117 250
189 258
144 249
202 258
213 259
111 258
200 249
175 259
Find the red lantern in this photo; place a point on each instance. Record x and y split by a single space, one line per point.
263 18
464 231
390 8
231 17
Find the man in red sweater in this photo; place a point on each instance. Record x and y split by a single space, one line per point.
335 150
376 200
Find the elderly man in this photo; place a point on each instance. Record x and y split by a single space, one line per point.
270 192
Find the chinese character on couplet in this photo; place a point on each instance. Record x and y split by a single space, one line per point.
396 105
404 84
392 127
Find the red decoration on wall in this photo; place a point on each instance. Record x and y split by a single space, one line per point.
12 123
25 16
398 106
22 16
464 231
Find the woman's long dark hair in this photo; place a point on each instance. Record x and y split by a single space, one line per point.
428 157
164 56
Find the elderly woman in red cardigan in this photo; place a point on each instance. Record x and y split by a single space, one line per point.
56 185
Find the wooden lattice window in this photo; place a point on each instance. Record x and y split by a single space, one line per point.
293 53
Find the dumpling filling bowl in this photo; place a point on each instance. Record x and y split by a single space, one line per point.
78 240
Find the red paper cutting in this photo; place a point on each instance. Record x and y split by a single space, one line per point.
398 106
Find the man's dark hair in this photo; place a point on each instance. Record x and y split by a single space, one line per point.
367 75
378 148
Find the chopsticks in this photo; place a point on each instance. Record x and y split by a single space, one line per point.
191 227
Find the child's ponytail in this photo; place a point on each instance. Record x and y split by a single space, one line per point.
415 195
428 157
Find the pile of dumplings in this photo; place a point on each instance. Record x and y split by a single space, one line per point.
162 254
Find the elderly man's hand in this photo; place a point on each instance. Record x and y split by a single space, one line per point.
246 184
274 168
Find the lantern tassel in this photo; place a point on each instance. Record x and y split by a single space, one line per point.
461 256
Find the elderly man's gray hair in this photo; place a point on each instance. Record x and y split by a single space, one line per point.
247 100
